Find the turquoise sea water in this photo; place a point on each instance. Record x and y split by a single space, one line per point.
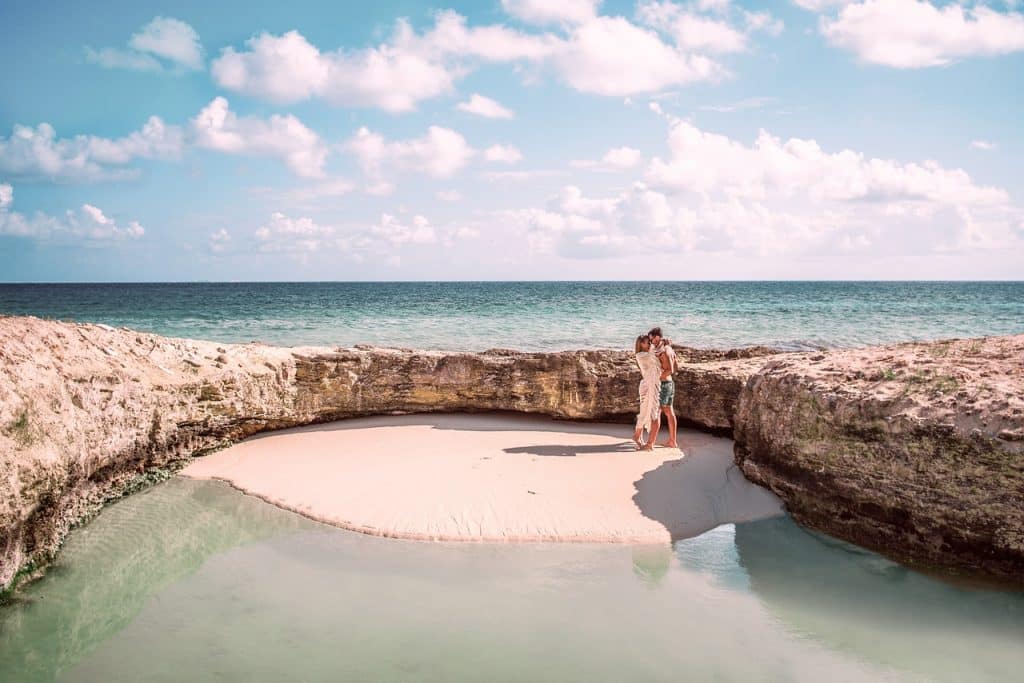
538 315
194 581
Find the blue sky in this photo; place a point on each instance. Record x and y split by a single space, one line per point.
511 139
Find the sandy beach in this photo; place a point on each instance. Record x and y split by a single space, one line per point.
493 478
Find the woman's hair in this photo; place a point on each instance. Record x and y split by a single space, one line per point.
639 342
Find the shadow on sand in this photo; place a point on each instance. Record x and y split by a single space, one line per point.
700 491
688 495
491 421
570 451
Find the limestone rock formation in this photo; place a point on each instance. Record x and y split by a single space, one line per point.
87 410
913 450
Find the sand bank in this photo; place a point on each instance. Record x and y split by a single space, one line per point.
493 478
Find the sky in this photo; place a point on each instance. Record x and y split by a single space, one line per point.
511 140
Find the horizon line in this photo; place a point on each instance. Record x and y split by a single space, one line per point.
539 281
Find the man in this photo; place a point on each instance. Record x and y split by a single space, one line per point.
667 357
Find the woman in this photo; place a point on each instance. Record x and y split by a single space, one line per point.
650 383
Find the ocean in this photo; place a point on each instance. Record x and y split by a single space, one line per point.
545 316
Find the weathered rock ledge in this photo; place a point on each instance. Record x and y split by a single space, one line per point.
912 450
86 411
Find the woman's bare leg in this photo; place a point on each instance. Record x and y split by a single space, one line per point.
653 437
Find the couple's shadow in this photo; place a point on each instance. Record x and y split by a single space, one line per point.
569 451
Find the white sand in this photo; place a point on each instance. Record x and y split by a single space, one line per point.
493 478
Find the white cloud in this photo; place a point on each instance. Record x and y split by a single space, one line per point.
638 220
602 55
219 241
762 21
615 159
910 34
643 221
288 68
709 164
443 195
462 233
486 107
621 157
88 223
819 5
611 56
396 233
713 6
381 189
155 140
725 30
283 68
520 176
393 76
38 154
854 242
547 12
440 153
218 128
303 237
503 154
692 31
983 145
714 194
284 234
596 54
171 40
452 38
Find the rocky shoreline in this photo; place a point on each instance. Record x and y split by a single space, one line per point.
914 450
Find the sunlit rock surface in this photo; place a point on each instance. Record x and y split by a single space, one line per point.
913 450
88 412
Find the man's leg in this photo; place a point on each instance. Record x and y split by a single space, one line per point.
670 417
666 398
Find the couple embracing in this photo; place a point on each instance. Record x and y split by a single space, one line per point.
657 362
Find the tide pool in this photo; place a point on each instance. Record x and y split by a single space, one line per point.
193 580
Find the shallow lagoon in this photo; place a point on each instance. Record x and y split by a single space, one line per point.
194 581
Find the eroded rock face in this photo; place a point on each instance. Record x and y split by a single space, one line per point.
912 450
86 410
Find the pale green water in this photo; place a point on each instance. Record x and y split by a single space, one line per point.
192 581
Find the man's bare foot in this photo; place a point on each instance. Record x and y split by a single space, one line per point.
647 447
669 444
639 443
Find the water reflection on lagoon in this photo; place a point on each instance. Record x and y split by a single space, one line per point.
857 602
193 580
